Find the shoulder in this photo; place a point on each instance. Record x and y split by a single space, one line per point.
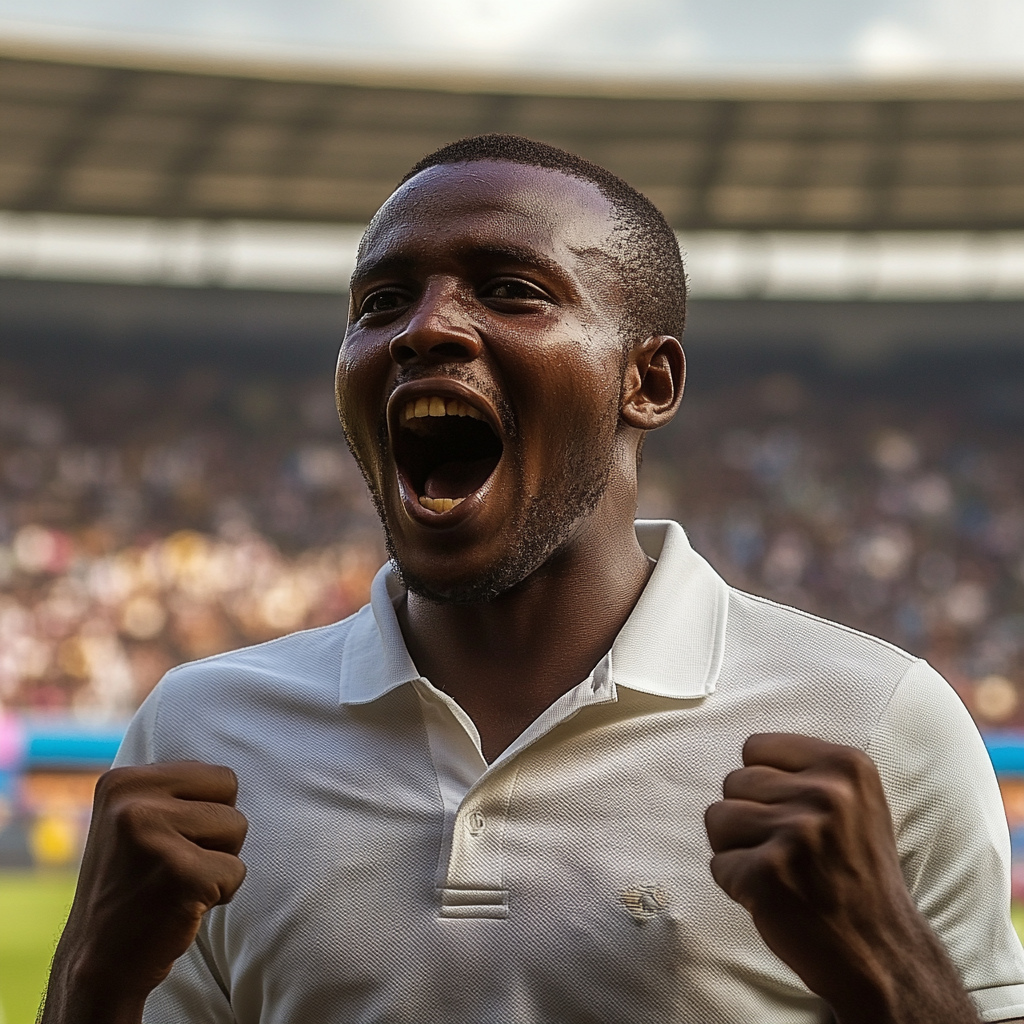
931 757
789 643
307 659
246 691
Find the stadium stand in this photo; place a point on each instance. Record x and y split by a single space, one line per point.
173 242
148 517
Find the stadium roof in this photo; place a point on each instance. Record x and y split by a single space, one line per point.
162 136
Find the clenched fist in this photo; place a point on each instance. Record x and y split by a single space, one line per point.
162 850
804 841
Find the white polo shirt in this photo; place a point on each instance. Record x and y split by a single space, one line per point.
395 876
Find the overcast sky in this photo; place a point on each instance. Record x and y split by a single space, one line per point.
674 37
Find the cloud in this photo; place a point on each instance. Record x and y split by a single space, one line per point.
491 25
888 47
658 37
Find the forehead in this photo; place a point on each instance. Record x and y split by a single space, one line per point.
451 207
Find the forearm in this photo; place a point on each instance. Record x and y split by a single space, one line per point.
909 980
77 995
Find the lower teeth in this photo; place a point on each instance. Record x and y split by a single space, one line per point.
440 504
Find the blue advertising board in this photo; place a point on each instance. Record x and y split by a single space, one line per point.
67 745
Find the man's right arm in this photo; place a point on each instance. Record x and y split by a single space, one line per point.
162 850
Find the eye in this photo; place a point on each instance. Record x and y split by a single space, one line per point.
512 289
385 300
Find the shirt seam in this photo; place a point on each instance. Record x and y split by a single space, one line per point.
716 654
883 711
441 869
158 697
508 825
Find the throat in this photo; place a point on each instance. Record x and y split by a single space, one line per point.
507 659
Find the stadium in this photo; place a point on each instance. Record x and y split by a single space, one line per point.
176 236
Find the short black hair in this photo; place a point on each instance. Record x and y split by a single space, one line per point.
648 252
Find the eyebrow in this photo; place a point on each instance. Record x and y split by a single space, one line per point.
502 252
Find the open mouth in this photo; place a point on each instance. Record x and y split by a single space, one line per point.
445 450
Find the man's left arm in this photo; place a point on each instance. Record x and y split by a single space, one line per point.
804 839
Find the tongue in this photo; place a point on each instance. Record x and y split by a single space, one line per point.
459 479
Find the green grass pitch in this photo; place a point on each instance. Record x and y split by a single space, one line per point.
33 907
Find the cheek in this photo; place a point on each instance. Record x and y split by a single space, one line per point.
358 391
576 415
569 365
359 382
579 382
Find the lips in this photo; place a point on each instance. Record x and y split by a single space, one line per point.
445 445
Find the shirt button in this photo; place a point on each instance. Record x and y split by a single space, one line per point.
475 823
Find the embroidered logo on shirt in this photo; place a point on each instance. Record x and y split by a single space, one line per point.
644 901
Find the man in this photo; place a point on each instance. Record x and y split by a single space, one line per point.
496 793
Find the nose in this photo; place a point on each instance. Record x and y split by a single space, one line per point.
439 331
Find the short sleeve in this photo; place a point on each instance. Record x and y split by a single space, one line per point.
191 993
137 745
952 836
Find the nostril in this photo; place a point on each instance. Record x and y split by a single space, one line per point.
402 353
450 350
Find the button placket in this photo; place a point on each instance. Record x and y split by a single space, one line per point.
475 882
477 845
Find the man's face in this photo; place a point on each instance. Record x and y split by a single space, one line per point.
480 376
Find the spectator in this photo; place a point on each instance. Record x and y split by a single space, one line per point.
144 523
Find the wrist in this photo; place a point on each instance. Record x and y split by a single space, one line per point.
903 979
79 993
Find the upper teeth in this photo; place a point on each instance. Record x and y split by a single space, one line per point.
434 405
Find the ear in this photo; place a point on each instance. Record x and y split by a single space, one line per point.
653 386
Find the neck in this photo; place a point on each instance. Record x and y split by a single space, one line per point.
505 661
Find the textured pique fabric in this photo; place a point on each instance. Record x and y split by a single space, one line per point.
397 878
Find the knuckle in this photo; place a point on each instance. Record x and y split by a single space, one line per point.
734 780
830 795
754 744
716 820
806 833
187 875
742 875
226 820
865 772
227 776
137 822
133 818
727 871
848 761
241 824
114 781
771 863
234 881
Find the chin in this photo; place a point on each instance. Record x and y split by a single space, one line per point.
538 536
449 588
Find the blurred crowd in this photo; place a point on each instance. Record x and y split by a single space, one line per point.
152 517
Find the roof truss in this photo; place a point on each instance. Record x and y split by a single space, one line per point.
87 138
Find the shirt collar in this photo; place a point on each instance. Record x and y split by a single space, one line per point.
673 641
375 659
671 645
